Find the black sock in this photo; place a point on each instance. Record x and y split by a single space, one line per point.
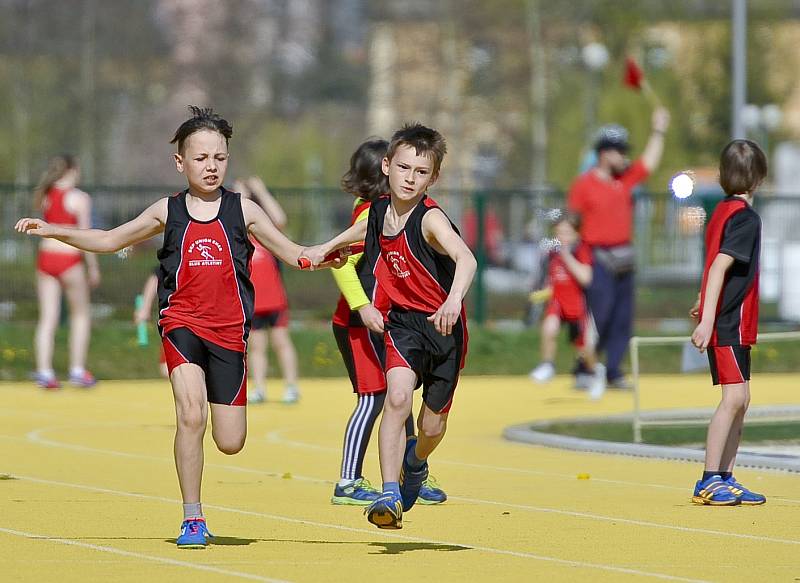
707 475
726 475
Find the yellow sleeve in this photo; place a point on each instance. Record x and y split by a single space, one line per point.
347 279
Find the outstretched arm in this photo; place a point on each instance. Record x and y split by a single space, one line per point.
263 229
438 231
654 149
146 225
354 234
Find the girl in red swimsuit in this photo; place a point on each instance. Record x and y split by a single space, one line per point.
60 267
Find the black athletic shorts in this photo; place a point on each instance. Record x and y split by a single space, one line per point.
276 319
730 365
412 342
226 370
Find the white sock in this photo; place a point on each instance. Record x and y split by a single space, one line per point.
47 372
192 510
345 482
76 371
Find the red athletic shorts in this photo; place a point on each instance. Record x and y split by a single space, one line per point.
582 331
730 365
363 353
55 264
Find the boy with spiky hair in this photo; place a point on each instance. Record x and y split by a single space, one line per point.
425 269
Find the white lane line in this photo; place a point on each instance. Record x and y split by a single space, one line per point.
374 532
141 556
572 513
276 437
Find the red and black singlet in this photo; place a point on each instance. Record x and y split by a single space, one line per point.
413 275
735 230
203 278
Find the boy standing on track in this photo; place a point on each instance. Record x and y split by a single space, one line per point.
425 268
727 310
205 296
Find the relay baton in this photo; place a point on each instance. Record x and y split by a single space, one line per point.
141 327
304 263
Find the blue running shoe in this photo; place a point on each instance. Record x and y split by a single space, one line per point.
357 493
386 511
715 492
194 534
744 495
431 492
411 480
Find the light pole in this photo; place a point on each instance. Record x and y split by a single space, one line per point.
595 59
761 121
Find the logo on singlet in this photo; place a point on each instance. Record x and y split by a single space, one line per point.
398 264
205 249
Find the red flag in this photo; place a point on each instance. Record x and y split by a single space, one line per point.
633 75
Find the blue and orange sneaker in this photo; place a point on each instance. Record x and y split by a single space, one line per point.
46 381
357 493
744 495
431 492
386 511
715 492
85 380
411 480
194 534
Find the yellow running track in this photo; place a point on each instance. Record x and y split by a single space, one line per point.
90 494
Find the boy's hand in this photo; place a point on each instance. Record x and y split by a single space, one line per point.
446 316
371 317
34 227
702 335
140 316
316 255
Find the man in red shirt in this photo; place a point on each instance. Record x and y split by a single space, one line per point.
603 197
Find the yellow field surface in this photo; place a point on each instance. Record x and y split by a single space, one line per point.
89 493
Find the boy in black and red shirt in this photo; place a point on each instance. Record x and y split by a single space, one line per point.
569 272
728 318
425 269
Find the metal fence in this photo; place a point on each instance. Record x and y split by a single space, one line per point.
510 225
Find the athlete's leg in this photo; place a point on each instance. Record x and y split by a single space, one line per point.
257 358
550 327
49 291
229 427
432 427
76 288
724 430
728 458
358 433
191 412
287 355
396 409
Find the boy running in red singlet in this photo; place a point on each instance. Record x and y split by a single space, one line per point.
569 272
425 268
205 296
358 326
727 310
271 315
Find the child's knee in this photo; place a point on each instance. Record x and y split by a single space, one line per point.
398 401
230 444
191 418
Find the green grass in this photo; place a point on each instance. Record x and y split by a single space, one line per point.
757 431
